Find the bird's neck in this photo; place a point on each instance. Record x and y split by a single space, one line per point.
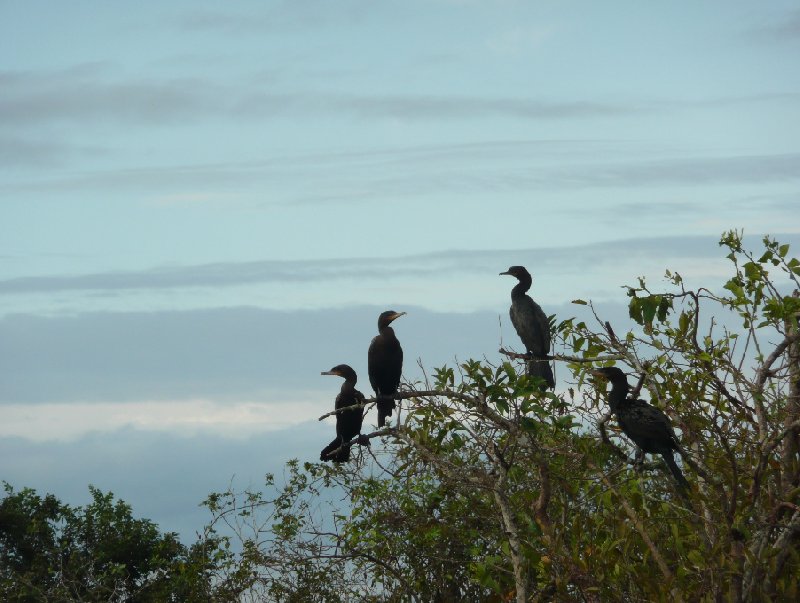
387 332
521 287
618 396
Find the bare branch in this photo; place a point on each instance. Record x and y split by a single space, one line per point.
510 525
362 439
561 357
406 395
766 450
763 373
364 404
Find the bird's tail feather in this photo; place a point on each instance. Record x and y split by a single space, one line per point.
385 408
542 370
340 456
676 471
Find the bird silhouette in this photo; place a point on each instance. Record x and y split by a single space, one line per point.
385 364
348 422
648 427
531 324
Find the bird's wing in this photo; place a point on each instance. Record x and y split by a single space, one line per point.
348 422
384 364
373 360
531 325
647 422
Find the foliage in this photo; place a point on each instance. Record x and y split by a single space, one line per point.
490 490
50 551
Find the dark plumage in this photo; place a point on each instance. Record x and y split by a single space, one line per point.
348 423
385 365
646 425
531 325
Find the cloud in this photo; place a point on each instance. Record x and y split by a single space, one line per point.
241 356
96 93
15 152
218 371
786 28
230 356
430 107
427 265
519 175
163 475
93 93
226 22
323 166
699 170
469 169
71 421
104 93
277 18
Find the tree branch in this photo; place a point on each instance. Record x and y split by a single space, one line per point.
406 395
363 439
766 451
763 373
510 524
561 357
783 549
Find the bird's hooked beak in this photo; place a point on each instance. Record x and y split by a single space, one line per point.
502 273
600 374
334 373
395 316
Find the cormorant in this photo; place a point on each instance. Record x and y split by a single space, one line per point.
385 364
531 325
348 423
646 425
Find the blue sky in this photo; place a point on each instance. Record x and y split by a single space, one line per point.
203 205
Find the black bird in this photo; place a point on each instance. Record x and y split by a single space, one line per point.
646 425
385 365
348 423
531 325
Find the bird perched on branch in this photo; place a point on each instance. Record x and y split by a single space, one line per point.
385 364
645 425
348 422
531 324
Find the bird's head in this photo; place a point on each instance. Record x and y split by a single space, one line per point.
612 374
386 318
342 370
519 272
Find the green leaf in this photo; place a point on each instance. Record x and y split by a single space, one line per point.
664 306
579 302
529 425
697 558
635 310
683 322
649 308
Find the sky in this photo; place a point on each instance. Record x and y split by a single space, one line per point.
205 205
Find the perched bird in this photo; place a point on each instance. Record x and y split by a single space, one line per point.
646 425
531 325
385 365
348 423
